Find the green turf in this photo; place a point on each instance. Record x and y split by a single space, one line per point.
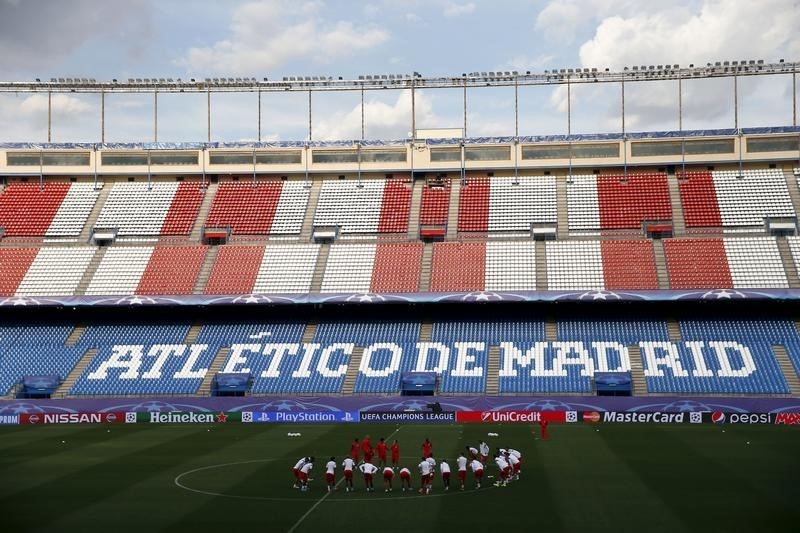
586 478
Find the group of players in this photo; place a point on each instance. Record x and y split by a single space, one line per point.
508 461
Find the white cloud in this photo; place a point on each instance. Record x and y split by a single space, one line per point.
629 33
382 120
558 21
730 29
62 104
454 9
266 35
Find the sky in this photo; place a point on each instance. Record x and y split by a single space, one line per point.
106 39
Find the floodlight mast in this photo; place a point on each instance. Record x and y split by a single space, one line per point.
410 82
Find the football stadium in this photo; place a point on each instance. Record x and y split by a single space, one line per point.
193 334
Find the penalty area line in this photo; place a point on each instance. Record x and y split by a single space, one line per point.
325 496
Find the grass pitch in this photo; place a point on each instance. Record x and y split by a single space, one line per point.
231 477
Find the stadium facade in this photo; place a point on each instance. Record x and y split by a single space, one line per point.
517 271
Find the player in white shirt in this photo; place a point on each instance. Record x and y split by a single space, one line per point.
304 470
518 466
368 469
504 470
348 465
484 451
477 471
296 471
444 468
425 477
388 474
330 474
514 463
461 464
472 452
405 478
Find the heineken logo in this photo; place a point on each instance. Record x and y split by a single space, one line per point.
185 418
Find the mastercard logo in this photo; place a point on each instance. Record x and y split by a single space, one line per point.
591 416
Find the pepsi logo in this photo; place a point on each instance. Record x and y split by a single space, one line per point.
591 416
718 417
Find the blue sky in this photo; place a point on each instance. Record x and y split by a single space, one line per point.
275 38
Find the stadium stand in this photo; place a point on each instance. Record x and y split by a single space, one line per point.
34 349
274 268
54 210
719 356
713 356
731 199
55 271
506 204
268 207
365 206
151 209
616 201
127 270
435 202
383 267
752 262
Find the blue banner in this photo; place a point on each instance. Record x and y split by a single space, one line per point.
300 417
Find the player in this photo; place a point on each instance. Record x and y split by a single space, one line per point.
296 471
516 466
472 452
368 469
304 470
395 453
405 478
388 474
513 462
432 462
543 428
477 471
380 448
484 451
427 448
354 450
444 468
348 465
330 474
504 470
366 449
461 465
425 476
366 445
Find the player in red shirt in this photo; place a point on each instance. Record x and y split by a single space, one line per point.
366 449
354 450
543 428
395 453
380 448
427 448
